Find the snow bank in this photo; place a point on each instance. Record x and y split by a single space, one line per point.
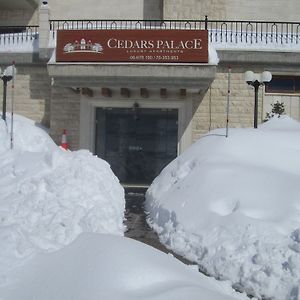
97 266
48 196
213 55
233 206
19 42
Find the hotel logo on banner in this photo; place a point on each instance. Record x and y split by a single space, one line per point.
82 47
162 46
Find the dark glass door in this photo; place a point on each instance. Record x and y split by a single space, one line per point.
137 143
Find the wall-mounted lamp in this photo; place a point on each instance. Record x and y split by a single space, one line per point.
257 80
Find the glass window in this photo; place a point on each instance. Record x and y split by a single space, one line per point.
297 84
283 84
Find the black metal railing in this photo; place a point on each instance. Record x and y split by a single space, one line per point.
220 31
254 32
125 24
17 34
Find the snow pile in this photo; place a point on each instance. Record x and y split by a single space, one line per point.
97 266
48 196
233 206
213 55
23 42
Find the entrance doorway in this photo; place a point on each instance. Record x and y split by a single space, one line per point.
137 142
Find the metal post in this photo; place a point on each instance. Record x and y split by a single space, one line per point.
12 108
228 100
256 86
257 80
4 98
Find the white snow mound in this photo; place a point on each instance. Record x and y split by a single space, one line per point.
97 266
233 206
48 196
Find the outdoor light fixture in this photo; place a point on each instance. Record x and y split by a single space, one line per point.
7 75
257 80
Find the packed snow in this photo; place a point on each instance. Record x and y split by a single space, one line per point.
23 42
48 196
232 205
97 266
267 41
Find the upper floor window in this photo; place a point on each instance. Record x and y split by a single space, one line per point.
282 84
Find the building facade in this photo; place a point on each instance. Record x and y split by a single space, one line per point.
141 115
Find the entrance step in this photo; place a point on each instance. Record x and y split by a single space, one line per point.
137 227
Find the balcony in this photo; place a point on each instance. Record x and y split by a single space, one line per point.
222 33
16 39
227 37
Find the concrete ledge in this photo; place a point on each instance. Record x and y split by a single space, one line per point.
132 75
19 58
259 57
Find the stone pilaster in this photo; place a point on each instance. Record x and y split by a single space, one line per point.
44 30
65 114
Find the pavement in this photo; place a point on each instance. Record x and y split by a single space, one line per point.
137 227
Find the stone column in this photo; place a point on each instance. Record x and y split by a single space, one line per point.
44 31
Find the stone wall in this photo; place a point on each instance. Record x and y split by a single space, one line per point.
267 10
18 17
56 108
31 93
194 9
97 9
153 10
211 111
65 114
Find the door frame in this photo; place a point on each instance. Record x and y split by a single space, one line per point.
125 163
88 117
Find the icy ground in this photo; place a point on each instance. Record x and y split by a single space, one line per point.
233 206
61 227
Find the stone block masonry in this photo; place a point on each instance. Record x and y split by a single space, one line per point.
65 114
34 93
31 93
232 10
17 17
32 99
211 111
194 9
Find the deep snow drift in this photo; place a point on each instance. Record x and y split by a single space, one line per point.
233 206
97 266
48 196
49 200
